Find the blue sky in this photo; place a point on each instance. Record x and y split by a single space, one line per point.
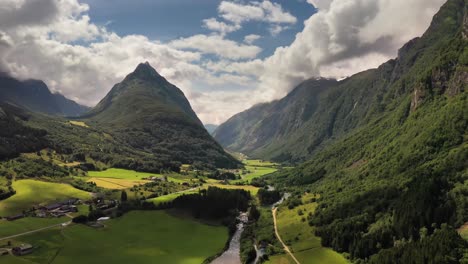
166 20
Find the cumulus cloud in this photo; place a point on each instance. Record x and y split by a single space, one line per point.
216 44
343 38
55 40
255 11
249 39
219 26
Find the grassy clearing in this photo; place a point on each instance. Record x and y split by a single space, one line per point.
134 175
280 259
252 189
122 174
299 236
19 226
137 237
32 192
170 197
119 184
259 163
79 123
464 231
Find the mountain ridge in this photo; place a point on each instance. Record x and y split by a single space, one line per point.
35 96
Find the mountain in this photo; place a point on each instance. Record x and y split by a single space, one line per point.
152 115
277 127
389 156
210 128
316 113
35 96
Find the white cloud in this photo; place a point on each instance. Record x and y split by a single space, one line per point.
249 39
265 11
275 30
221 27
215 44
343 38
54 40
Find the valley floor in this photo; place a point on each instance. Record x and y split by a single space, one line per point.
137 237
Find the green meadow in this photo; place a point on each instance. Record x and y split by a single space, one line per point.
137 237
170 197
121 174
10 228
132 175
31 192
295 231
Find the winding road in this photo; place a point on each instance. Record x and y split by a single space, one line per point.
286 248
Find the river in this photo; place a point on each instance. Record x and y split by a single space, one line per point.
232 255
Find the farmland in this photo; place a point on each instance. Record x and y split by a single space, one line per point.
257 168
295 231
119 184
137 237
32 192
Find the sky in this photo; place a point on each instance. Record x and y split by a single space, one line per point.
225 55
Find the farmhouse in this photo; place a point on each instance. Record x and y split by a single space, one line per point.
22 250
15 217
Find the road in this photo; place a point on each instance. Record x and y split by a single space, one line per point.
34 231
286 248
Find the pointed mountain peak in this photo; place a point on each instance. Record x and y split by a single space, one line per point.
145 70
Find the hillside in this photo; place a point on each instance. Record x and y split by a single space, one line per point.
274 130
150 114
294 128
393 189
35 96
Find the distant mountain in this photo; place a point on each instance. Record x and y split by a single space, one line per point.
35 96
271 129
317 113
150 114
210 128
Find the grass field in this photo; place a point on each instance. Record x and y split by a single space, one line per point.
121 174
464 231
137 237
79 123
10 228
124 174
257 168
170 197
259 163
300 237
32 192
119 184
252 189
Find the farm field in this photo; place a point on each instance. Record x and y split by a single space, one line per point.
252 189
132 175
137 237
300 237
10 228
119 184
32 192
170 197
256 168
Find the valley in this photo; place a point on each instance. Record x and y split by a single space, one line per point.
364 168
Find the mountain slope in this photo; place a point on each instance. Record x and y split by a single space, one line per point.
152 115
269 128
339 108
394 188
35 96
